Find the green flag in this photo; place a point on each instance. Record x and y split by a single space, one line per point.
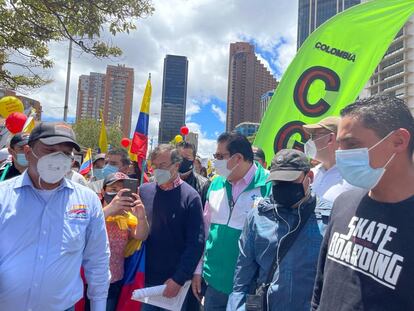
330 70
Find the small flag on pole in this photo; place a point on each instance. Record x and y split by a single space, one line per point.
103 140
87 163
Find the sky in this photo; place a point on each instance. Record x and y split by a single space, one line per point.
202 30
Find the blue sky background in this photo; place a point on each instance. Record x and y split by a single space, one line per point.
202 30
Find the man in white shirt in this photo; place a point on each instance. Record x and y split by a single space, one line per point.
328 183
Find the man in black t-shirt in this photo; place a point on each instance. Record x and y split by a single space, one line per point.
367 258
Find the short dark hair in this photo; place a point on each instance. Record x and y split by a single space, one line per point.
259 153
124 155
383 114
187 145
175 155
237 143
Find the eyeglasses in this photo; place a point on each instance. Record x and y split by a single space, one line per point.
319 135
220 156
162 166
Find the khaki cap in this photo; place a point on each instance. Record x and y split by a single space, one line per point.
329 123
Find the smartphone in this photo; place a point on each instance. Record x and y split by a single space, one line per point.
132 185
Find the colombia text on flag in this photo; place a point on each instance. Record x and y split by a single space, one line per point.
330 70
139 143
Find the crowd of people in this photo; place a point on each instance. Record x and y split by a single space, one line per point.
326 229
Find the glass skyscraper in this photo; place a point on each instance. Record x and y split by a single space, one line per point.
313 13
174 97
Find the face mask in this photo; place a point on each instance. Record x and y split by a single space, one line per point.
109 169
221 168
310 147
98 173
109 196
53 167
21 160
185 166
287 193
353 164
162 176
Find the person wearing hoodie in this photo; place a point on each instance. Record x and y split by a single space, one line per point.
283 225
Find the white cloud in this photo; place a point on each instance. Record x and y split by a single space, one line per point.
221 115
199 29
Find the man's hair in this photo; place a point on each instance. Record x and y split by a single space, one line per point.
187 145
259 153
175 155
237 143
124 155
383 114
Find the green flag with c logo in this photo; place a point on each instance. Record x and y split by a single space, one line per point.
330 70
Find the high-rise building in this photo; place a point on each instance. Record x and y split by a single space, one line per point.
91 95
119 91
313 13
111 92
174 97
395 73
248 81
264 102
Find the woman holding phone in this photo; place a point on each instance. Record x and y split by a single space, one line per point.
125 219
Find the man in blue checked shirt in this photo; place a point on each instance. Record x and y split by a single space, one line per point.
49 228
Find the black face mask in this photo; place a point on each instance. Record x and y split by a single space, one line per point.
185 166
287 193
109 196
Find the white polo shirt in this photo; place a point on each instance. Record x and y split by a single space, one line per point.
329 184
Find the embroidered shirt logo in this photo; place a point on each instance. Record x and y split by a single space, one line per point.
77 211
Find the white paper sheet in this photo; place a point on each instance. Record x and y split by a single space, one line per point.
153 296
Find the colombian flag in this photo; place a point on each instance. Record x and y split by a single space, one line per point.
134 276
139 143
87 163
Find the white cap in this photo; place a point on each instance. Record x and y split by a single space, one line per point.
4 154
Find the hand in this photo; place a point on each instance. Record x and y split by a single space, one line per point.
119 204
138 208
172 289
196 286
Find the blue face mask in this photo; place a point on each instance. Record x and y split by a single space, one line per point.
21 159
109 169
354 166
98 173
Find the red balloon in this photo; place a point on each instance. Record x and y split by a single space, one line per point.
125 142
15 122
184 130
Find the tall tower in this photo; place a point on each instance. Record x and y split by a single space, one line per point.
91 95
313 13
174 97
119 91
248 81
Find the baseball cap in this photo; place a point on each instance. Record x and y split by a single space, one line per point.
329 123
288 165
114 177
54 133
19 139
99 156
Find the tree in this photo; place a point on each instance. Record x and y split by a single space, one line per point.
87 133
28 26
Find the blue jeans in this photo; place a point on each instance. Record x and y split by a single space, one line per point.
215 300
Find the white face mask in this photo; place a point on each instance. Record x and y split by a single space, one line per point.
310 147
161 176
221 168
53 167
